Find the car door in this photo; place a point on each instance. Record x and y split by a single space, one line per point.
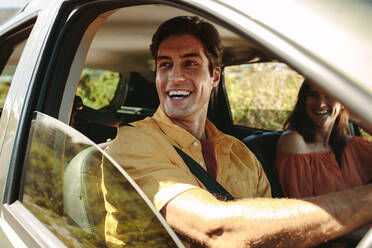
66 183
41 155
14 36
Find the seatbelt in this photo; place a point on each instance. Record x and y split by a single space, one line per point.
208 181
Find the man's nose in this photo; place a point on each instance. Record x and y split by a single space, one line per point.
176 74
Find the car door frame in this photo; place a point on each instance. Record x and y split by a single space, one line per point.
20 227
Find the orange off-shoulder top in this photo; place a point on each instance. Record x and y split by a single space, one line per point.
310 174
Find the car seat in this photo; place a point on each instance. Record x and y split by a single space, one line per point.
263 145
141 101
83 198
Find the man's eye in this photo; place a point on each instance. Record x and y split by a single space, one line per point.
190 63
164 65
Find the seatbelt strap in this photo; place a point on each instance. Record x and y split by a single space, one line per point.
208 181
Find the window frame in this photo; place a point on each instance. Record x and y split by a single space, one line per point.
34 232
15 218
16 34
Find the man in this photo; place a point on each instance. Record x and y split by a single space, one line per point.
187 52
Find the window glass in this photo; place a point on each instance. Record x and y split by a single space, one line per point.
366 136
85 202
8 71
97 87
261 95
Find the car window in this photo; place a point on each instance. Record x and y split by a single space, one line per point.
97 87
261 95
365 135
8 70
66 180
136 97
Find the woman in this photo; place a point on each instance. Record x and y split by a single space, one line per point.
318 155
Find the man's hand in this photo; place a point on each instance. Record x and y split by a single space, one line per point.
263 222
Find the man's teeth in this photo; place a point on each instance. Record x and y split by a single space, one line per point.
178 93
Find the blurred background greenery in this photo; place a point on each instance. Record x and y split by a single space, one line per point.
97 87
4 88
51 152
261 95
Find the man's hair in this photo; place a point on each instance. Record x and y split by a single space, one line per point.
300 122
205 32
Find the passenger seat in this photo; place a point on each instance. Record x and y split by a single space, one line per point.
263 145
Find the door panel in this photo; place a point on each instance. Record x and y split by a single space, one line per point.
79 193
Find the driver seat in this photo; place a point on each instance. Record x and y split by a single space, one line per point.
83 198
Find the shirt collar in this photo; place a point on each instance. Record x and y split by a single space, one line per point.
179 135
175 133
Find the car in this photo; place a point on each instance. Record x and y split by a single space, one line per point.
72 71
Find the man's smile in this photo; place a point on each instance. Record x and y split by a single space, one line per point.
178 94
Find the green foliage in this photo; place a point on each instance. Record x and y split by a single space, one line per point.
137 225
97 87
43 180
4 88
366 136
50 151
261 95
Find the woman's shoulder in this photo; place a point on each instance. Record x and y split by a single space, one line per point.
291 142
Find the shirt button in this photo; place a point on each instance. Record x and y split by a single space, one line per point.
196 143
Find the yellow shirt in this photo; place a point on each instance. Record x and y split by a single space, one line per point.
147 154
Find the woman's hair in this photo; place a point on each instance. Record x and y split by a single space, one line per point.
205 32
301 123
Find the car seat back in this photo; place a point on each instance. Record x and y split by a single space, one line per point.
263 145
83 198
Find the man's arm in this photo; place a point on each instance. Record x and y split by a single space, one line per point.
361 123
262 222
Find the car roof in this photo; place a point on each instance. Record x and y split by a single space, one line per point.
324 29
8 9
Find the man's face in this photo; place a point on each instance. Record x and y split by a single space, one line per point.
183 80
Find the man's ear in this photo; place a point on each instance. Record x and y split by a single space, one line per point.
216 76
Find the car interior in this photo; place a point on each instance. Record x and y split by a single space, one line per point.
118 50
120 44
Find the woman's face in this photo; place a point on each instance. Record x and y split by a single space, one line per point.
321 109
